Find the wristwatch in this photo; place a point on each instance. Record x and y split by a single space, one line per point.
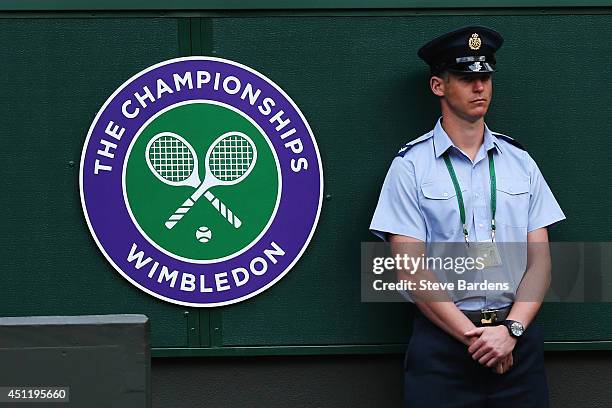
515 328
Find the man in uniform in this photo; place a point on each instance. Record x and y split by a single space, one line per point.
461 182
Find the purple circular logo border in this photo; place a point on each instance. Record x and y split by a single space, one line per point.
108 218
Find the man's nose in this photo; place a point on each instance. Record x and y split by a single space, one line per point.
478 85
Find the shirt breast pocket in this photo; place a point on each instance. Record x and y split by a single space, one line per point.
440 207
512 202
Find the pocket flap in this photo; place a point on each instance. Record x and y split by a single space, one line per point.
513 185
439 190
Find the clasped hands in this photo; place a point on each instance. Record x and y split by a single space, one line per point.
492 346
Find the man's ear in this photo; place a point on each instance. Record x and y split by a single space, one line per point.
436 84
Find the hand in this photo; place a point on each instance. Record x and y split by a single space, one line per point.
470 340
504 365
494 344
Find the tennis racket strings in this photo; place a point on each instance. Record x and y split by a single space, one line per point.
171 158
228 161
231 158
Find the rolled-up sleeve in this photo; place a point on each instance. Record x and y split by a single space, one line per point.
543 207
398 211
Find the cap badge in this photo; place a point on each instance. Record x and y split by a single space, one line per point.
475 42
475 67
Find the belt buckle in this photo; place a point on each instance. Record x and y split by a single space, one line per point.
488 316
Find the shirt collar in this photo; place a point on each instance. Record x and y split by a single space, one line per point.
442 142
490 141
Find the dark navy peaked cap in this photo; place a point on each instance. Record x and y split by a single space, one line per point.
466 50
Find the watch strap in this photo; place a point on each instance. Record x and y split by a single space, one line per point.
508 323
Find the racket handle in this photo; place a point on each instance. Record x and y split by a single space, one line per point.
223 210
179 213
219 206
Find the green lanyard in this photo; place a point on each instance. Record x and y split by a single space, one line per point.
493 180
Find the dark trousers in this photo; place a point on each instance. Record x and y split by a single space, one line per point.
440 373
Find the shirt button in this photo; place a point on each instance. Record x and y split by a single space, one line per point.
476 195
480 225
445 194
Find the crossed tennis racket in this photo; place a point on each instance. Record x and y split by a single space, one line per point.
228 161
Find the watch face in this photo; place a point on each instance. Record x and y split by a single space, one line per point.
516 328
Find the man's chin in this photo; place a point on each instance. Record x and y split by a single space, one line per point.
473 118
476 114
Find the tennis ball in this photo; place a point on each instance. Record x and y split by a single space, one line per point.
203 234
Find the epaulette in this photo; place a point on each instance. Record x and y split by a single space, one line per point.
509 140
411 143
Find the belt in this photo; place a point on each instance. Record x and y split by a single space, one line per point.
487 317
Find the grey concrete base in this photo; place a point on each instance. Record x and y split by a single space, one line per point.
99 361
576 380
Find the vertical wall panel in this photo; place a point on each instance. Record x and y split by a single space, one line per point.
56 74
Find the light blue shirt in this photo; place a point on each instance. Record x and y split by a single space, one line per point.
418 198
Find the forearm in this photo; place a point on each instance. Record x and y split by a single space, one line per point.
536 280
437 306
449 318
530 294
524 312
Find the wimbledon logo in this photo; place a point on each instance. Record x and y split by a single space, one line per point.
201 181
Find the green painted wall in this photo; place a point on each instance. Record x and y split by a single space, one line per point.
361 87
56 74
